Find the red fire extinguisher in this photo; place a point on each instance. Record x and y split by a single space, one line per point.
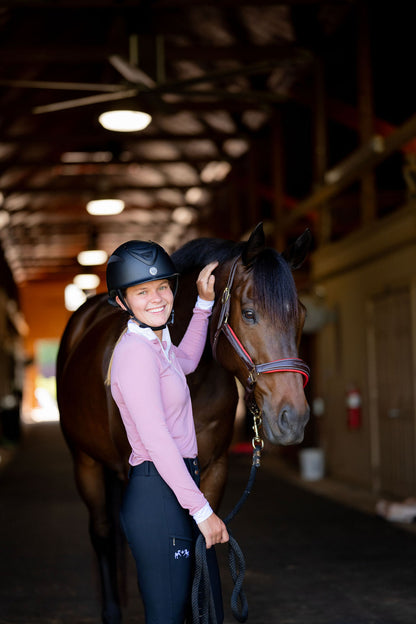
354 416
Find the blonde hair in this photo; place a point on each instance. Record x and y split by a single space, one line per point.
107 380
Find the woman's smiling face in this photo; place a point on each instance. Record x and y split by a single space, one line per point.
151 302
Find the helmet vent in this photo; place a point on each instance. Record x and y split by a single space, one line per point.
146 256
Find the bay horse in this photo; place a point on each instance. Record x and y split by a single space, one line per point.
257 318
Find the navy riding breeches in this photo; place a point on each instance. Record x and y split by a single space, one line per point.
161 535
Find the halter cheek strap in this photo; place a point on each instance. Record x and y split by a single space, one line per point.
225 307
284 365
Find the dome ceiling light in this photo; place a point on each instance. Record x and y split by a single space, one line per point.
86 281
92 257
108 206
124 120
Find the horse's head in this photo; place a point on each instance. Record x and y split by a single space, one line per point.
259 313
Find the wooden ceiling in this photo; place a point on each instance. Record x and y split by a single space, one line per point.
233 88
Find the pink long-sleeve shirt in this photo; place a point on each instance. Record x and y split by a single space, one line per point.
149 387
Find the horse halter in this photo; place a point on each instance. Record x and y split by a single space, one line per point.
284 365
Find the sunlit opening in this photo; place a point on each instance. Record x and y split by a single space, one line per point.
74 297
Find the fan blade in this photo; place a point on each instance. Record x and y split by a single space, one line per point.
86 101
69 86
130 72
246 70
176 87
255 96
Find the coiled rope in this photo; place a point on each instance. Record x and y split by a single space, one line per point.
203 608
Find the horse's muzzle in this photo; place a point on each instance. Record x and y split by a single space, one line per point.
287 428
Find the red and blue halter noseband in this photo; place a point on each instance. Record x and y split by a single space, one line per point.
284 365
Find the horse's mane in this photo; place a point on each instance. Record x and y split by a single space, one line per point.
198 252
274 287
273 284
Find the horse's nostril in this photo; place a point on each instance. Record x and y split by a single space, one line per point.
284 421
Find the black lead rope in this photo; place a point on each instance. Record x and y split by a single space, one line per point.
203 608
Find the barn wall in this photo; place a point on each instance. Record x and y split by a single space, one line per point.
11 355
378 259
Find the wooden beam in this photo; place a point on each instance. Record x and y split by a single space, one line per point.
368 198
92 167
320 154
91 188
278 178
67 140
253 200
17 54
157 5
352 168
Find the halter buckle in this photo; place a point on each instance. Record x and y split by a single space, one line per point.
252 376
225 295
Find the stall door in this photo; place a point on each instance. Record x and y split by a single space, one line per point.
393 377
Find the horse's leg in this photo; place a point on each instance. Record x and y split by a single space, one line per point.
91 483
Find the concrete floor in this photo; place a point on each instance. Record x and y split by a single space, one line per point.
315 552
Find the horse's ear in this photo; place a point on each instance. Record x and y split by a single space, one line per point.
295 255
254 245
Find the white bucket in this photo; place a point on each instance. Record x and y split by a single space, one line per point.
312 464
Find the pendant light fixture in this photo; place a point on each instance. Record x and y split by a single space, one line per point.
124 120
124 116
104 202
105 206
93 255
86 281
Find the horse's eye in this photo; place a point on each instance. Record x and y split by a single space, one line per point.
249 315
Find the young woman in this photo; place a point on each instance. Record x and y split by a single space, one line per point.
163 507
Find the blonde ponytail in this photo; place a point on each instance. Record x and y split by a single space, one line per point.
107 380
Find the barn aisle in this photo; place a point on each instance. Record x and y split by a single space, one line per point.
309 560
47 568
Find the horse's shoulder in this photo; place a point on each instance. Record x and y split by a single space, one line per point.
88 320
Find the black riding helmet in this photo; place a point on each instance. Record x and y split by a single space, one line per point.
136 262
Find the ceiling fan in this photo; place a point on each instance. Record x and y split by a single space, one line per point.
138 82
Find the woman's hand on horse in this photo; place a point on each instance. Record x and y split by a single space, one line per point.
214 530
206 280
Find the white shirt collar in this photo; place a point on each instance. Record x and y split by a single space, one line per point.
149 334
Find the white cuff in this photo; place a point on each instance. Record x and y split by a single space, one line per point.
203 513
203 304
